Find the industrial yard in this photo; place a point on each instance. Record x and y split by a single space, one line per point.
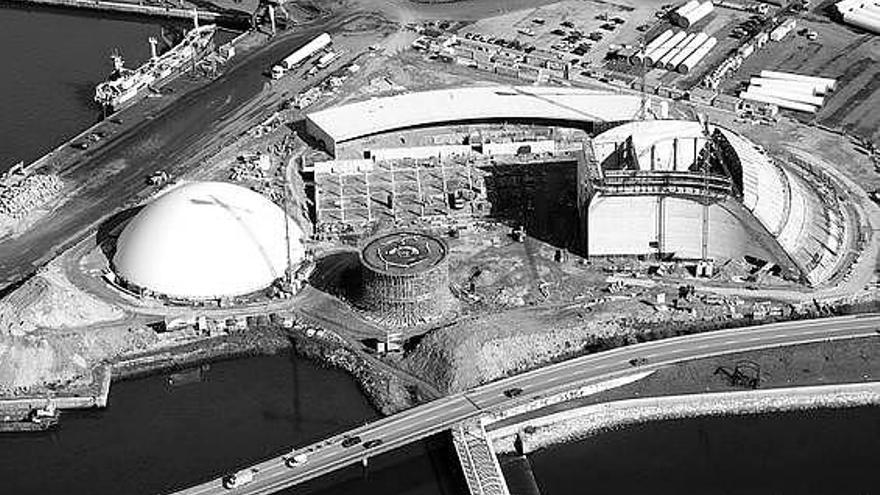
453 201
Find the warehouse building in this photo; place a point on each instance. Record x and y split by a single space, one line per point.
334 127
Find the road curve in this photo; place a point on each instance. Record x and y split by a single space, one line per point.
422 421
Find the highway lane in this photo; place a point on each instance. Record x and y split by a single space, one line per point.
425 420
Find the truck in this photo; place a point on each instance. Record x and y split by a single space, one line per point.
299 56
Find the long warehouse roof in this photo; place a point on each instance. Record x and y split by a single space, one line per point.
477 103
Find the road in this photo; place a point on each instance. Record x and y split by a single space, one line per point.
397 430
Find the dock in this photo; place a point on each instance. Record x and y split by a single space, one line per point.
237 18
14 413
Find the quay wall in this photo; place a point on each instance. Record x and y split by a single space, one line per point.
95 397
579 423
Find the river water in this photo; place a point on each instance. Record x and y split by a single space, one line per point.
828 452
155 437
51 61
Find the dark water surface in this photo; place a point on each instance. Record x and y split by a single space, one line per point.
828 452
50 62
155 437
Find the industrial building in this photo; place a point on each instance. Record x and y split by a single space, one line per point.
692 193
336 126
683 190
206 240
405 278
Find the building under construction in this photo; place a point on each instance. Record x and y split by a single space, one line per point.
686 191
405 278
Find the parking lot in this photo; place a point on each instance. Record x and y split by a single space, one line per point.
580 30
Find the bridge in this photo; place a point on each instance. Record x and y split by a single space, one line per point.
460 410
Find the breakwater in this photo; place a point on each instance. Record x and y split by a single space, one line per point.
579 423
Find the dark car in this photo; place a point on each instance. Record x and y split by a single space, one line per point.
82 145
369 444
638 361
351 441
513 392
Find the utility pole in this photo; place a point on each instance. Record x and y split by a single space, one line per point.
643 109
286 185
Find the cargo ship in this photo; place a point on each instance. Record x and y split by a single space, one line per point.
126 86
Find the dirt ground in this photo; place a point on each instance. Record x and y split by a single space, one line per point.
820 363
841 52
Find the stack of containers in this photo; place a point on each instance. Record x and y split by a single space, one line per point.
699 54
639 57
687 50
691 12
656 54
661 64
787 90
862 13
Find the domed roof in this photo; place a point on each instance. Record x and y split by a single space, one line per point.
206 240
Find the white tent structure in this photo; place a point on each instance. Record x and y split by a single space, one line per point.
207 240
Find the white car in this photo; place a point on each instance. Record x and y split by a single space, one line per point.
293 460
240 478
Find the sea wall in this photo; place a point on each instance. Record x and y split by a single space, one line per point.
579 423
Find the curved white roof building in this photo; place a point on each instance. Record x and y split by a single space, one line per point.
443 106
207 240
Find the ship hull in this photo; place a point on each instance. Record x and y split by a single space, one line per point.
156 73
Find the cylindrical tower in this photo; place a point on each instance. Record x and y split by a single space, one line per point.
405 277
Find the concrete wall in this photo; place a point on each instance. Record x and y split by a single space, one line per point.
626 225
622 225
511 148
420 152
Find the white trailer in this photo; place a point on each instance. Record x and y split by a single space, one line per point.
688 49
660 51
787 95
651 46
300 55
691 17
824 82
782 30
698 55
782 103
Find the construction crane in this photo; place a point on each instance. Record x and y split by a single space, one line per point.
643 106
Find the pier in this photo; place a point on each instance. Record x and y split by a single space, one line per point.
236 18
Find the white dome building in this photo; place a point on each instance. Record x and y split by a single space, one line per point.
207 240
